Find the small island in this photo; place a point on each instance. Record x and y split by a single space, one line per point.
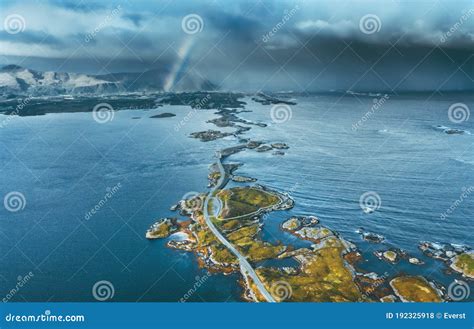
163 115
464 264
415 289
226 235
162 228
209 135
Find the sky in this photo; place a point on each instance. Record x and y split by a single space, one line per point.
388 45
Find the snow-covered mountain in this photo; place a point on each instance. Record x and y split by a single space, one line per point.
16 80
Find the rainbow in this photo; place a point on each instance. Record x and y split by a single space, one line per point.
183 53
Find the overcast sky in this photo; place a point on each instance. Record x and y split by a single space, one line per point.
252 45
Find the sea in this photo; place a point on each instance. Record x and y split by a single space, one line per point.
80 194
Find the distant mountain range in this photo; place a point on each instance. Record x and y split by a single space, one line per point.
17 80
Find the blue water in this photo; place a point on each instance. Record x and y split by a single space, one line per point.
63 164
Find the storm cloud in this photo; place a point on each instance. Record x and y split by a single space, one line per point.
249 45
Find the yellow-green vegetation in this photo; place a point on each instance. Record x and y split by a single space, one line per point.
240 201
222 255
215 175
161 230
313 233
388 299
244 232
414 289
207 242
322 277
255 250
291 224
206 237
194 204
464 263
390 255
230 225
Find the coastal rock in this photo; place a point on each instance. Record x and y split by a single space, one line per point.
243 179
415 289
388 299
442 251
291 224
314 233
265 99
388 255
280 146
189 206
415 261
314 278
372 237
174 207
162 228
451 131
163 115
454 131
294 253
263 148
254 144
232 150
296 222
309 220
209 135
464 264
181 245
213 176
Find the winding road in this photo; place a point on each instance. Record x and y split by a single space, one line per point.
245 266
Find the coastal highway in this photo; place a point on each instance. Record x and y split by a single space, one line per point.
245 266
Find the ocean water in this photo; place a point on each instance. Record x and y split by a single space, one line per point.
64 165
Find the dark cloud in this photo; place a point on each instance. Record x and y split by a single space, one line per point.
300 45
82 6
32 37
135 18
241 28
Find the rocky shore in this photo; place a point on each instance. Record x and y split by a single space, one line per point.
327 270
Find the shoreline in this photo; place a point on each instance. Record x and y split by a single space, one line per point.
377 284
